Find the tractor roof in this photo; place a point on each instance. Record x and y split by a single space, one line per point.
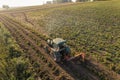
58 41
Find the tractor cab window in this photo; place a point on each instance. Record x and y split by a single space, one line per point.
55 46
62 45
57 54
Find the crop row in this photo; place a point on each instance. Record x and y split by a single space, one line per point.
31 48
40 42
78 72
38 37
21 39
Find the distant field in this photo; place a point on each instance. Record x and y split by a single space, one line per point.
91 27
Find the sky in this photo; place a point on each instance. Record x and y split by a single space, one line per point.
17 3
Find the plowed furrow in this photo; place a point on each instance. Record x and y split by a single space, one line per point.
36 50
76 70
31 53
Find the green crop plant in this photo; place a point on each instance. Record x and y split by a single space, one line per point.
88 27
93 28
13 64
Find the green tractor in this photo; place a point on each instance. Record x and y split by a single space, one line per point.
58 49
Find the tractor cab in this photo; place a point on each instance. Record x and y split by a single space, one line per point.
59 49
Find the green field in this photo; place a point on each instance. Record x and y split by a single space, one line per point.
13 64
91 27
